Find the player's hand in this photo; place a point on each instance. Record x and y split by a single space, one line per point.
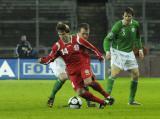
108 55
141 54
101 58
41 60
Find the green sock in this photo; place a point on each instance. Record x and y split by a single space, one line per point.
110 83
133 89
57 86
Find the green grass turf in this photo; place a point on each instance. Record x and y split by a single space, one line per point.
26 99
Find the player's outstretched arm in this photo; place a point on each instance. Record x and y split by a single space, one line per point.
51 56
88 45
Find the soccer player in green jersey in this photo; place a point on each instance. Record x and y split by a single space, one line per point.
119 45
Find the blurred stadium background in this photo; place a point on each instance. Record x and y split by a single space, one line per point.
37 19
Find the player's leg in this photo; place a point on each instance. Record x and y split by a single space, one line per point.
133 86
78 85
58 68
89 103
115 70
89 96
57 86
132 66
88 81
88 77
96 86
85 73
116 67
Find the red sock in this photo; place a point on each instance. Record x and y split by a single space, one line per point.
89 96
96 86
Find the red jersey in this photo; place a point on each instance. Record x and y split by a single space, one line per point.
72 53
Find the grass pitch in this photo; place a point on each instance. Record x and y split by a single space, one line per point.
26 99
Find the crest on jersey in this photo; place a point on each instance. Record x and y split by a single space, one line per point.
133 29
123 31
76 47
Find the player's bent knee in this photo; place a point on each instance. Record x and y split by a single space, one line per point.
135 74
115 70
114 75
63 77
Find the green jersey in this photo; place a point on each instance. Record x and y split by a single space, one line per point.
123 37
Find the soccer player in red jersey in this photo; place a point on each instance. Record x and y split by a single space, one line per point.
58 67
83 32
70 49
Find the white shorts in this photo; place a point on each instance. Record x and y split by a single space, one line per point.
58 66
123 60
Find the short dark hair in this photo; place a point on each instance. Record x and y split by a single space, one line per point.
83 25
62 27
129 10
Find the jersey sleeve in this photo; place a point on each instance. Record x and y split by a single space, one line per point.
111 35
53 54
138 38
89 46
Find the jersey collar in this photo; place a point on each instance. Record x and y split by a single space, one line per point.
65 42
129 23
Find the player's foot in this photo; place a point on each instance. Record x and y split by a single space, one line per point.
134 103
90 104
101 106
50 102
109 100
